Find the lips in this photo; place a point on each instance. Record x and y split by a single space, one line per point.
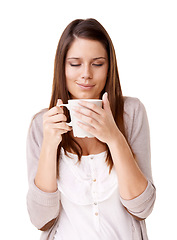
85 86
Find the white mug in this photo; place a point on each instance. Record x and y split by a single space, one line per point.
77 131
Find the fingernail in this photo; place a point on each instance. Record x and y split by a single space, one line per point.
58 102
105 94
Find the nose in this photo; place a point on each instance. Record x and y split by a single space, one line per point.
86 72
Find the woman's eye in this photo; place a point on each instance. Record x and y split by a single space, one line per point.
78 64
98 65
74 65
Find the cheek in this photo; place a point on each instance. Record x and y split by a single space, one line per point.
68 74
102 77
70 81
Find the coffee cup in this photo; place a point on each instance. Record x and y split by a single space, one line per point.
78 131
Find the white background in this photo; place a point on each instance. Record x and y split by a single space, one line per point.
144 34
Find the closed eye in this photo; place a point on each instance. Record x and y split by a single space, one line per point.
94 64
97 65
74 65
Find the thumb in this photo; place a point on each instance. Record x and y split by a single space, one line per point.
106 104
59 101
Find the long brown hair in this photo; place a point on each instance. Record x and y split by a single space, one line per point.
87 29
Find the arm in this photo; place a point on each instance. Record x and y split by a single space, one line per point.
42 207
132 181
43 198
137 192
138 134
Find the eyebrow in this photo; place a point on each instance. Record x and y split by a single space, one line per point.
76 58
99 58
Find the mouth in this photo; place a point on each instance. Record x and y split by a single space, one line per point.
85 86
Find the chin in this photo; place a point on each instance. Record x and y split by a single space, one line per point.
85 95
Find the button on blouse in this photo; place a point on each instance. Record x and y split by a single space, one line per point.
86 182
90 201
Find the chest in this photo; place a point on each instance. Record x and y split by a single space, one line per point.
91 146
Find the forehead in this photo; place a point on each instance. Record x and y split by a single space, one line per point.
86 48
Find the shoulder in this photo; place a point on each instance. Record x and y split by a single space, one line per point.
36 125
132 104
134 114
38 117
133 107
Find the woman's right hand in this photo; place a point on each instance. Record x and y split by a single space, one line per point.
54 125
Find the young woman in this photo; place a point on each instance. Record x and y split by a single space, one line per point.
89 188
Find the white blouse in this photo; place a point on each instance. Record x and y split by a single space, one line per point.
87 204
90 201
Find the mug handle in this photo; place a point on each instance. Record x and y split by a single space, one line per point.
67 106
64 105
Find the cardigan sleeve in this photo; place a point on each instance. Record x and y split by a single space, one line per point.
138 133
42 207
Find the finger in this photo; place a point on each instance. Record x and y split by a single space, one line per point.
91 106
53 111
106 104
62 126
58 118
86 119
87 128
59 101
86 112
62 131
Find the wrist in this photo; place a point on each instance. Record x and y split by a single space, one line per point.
48 151
120 145
49 146
116 137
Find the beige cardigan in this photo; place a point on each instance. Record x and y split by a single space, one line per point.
44 207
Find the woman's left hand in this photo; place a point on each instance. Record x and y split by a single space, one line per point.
101 121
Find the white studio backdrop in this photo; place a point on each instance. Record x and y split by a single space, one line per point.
144 36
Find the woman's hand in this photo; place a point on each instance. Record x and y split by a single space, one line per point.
54 125
100 120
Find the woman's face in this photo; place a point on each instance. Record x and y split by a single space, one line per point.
86 69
